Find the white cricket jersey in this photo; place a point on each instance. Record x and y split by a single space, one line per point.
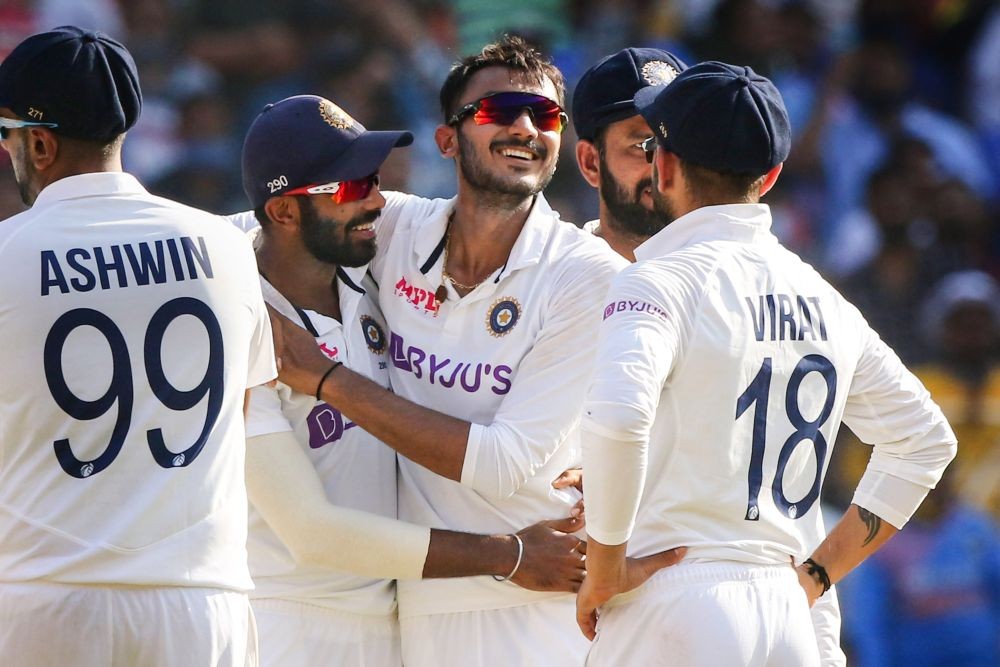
512 357
736 362
357 470
133 326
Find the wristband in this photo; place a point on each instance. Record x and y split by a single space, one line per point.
520 555
814 569
319 387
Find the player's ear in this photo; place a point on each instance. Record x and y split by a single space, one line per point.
446 138
667 171
283 212
42 147
588 160
770 178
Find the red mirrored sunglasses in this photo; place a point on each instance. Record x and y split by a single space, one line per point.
341 192
506 108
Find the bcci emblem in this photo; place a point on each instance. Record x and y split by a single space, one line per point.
503 316
658 73
374 336
334 115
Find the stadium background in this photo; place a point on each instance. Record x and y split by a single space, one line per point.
892 190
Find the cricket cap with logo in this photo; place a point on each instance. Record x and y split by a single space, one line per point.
82 81
605 91
308 140
726 118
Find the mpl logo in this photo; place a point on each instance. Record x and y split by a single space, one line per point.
421 299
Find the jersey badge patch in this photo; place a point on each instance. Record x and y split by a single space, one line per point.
374 336
503 316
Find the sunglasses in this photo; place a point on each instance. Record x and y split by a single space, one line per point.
7 124
506 108
342 192
649 148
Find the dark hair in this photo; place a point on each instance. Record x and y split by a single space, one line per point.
509 51
708 187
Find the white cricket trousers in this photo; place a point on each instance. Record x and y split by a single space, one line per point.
293 634
47 625
709 614
541 634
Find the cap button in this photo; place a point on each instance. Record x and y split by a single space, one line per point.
89 36
743 80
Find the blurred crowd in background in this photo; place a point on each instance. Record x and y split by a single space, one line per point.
892 190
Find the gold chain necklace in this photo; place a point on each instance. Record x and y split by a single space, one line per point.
442 294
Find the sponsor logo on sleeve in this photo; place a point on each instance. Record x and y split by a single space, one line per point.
628 306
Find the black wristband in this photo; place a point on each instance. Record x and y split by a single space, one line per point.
319 387
814 569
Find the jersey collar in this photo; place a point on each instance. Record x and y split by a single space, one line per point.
747 223
101 183
527 250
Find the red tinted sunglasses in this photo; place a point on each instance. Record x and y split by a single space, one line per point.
341 192
506 108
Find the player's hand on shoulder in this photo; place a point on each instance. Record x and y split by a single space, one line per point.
554 560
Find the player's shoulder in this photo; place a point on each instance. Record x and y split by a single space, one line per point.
408 210
576 251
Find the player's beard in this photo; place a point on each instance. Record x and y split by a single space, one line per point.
662 205
330 241
495 188
628 213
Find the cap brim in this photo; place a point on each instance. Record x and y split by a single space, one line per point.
366 154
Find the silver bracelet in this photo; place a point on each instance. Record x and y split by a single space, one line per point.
520 555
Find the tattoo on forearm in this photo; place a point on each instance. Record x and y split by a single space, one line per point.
873 522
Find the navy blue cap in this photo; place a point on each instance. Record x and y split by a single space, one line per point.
309 140
605 91
719 116
82 80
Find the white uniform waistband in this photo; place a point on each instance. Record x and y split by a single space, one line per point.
688 573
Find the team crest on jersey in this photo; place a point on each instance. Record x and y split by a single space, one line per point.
334 115
503 316
374 336
658 73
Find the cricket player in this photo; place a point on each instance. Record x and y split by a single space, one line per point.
491 303
610 133
610 156
726 365
322 490
133 327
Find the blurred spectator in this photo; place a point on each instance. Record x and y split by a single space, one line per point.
982 92
877 110
931 596
203 175
966 230
743 31
891 281
961 321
